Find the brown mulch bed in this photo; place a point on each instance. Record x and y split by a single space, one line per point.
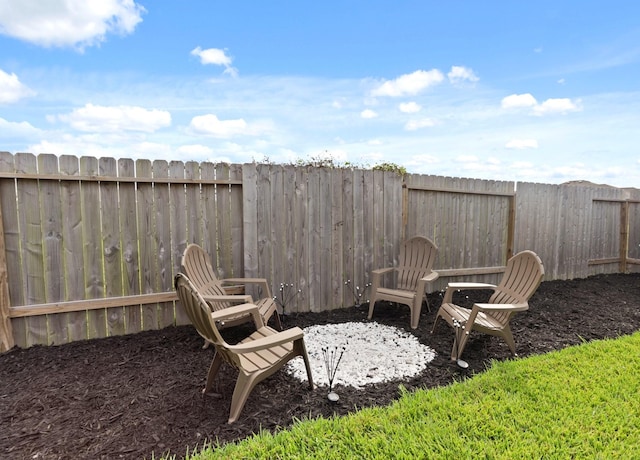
138 395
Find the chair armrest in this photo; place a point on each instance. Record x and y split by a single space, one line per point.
243 280
260 281
465 285
236 310
228 298
431 277
279 338
502 306
448 295
382 271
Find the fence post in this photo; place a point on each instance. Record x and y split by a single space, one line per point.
405 210
624 236
511 225
6 333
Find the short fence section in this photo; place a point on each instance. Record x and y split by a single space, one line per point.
89 247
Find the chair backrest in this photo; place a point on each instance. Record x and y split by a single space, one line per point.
199 314
196 264
416 259
521 278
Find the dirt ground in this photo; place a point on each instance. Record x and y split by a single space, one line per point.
138 395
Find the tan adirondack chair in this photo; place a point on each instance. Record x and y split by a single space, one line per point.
521 278
256 357
217 292
413 273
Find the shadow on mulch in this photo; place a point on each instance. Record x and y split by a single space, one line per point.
138 395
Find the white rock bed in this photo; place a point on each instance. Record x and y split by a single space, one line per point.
373 353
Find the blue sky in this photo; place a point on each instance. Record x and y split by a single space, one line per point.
545 91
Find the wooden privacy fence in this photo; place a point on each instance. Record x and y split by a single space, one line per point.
89 247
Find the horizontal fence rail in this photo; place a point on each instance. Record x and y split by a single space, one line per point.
89 247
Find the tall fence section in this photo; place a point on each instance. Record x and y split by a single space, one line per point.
89 247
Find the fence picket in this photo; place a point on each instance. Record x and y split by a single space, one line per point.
127 196
147 243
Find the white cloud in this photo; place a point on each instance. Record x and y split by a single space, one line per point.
409 84
215 56
419 160
368 113
195 150
560 105
515 101
409 107
70 145
74 23
11 89
210 125
151 150
458 75
520 144
413 125
13 129
95 118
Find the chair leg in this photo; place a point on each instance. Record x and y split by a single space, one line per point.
244 385
305 357
435 321
372 304
459 342
415 312
508 337
278 320
213 371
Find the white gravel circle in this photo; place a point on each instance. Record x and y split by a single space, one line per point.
373 353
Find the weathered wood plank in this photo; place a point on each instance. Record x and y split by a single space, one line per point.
13 288
264 223
348 240
162 222
72 230
111 244
209 215
315 248
92 241
362 266
31 240
148 244
250 216
302 239
225 265
6 332
325 228
336 234
90 305
129 240
193 202
290 261
278 229
54 269
368 235
178 223
236 223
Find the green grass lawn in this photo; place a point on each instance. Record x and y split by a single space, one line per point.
580 402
